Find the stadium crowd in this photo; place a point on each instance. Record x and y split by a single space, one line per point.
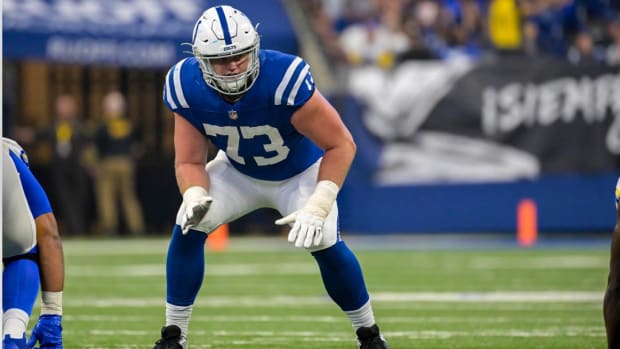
384 32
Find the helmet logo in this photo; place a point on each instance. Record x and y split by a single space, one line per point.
228 48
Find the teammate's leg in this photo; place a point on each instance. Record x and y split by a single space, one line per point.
21 286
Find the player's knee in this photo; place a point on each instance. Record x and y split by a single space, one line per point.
328 241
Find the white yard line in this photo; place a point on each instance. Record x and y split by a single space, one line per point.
379 297
284 319
236 269
279 336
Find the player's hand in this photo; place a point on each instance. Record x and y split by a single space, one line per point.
197 202
307 230
48 332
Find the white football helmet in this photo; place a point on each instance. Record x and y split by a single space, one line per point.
223 31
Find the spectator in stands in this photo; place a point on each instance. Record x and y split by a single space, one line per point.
564 28
613 50
504 26
584 50
463 27
550 26
70 159
117 144
378 39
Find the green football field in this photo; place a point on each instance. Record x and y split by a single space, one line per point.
263 294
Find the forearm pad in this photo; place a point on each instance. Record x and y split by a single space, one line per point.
51 303
320 202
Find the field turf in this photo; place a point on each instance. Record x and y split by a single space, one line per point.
263 294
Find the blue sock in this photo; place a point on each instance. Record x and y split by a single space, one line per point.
342 276
20 281
185 266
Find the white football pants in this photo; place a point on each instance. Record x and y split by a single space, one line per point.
235 194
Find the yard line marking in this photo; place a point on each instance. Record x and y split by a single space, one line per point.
380 297
283 319
149 270
279 336
490 297
543 262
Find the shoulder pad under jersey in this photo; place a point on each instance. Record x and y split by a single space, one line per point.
15 148
179 82
290 75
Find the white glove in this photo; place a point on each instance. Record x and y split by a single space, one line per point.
197 202
308 222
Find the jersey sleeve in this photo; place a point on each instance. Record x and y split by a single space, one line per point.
174 95
35 195
296 86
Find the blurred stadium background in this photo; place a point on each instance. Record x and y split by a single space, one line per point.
463 110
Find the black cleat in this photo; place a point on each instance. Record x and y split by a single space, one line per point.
170 338
370 338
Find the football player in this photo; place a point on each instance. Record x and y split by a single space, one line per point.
611 303
281 145
32 256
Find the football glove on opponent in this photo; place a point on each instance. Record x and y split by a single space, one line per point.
197 202
308 222
48 332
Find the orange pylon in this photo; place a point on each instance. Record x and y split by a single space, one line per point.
218 239
527 223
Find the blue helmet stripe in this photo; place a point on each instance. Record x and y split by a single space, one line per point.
220 14
195 31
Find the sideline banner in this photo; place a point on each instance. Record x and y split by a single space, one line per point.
131 33
455 146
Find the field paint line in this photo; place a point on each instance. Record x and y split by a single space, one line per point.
283 319
278 336
149 270
380 297
542 262
491 297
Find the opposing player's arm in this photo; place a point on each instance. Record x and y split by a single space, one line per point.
320 122
190 148
51 261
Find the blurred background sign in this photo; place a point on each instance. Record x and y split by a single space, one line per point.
131 33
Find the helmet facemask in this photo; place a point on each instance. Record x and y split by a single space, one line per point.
230 84
224 33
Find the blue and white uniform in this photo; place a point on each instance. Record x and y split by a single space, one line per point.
255 132
255 137
263 161
23 200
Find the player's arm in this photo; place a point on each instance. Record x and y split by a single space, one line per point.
190 155
48 329
51 260
318 120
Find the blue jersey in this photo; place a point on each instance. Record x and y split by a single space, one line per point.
255 132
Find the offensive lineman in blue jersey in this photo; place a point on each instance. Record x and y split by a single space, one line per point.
281 145
32 256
